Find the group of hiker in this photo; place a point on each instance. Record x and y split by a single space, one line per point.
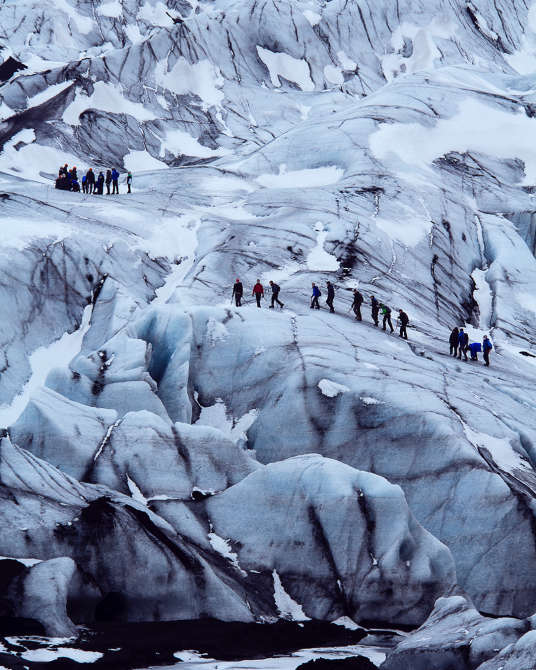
459 339
376 306
459 344
68 181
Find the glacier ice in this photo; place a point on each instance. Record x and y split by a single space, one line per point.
375 144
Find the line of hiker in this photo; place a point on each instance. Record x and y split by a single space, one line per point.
257 293
459 344
376 306
68 181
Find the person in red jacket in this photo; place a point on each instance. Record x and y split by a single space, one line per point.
258 292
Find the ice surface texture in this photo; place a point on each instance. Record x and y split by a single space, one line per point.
195 459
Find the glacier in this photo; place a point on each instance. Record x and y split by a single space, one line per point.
168 456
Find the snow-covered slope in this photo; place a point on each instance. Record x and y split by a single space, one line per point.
376 144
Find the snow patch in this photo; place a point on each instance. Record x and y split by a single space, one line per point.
216 416
155 15
281 274
331 389
500 449
424 51
42 360
106 98
202 79
368 400
49 655
282 65
475 128
313 17
333 75
141 161
179 142
28 160
288 608
83 24
309 178
27 562
48 93
223 547
135 491
347 64
318 259
346 622
111 9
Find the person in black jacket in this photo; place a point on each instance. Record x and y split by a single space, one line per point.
404 320
453 342
375 308
99 187
275 295
108 181
238 291
331 296
486 348
356 304
90 180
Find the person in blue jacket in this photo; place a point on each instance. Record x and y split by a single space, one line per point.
315 296
463 343
115 181
474 348
486 348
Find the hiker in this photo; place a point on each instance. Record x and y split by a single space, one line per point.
463 344
115 182
453 342
487 346
474 348
356 304
331 296
62 183
108 181
238 291
258 292
275 295
375 308
315 296
75 186
84 183
129 181
386 311
90 178
74 175
63 170
99 187
404 320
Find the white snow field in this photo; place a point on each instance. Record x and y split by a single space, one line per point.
166 455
